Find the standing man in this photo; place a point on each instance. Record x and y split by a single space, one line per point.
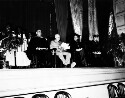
60 51
38 49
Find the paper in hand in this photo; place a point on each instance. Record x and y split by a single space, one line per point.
65 46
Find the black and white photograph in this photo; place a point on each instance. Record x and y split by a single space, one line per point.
62 48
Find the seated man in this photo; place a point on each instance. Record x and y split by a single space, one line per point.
60 51
77 52
37 48
97 59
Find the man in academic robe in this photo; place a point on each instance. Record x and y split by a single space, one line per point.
37 49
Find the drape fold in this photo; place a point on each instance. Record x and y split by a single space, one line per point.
77 15
92 19
61 9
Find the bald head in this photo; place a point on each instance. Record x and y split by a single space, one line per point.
57 37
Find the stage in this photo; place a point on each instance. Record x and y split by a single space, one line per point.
27 82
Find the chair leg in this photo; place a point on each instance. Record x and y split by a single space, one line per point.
2 63
55 60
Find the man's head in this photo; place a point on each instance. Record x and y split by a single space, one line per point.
57 37
96 38
39 33
76 38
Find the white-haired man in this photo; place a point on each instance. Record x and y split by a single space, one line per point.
60 51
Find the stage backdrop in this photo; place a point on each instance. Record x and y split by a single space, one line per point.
92 19
61 8
77 18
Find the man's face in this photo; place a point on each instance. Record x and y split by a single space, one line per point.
75 38
96 39
39 33
57 37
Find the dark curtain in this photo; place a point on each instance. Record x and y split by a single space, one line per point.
61 17
53 23
92 15
37 16
27 14
12 12
104 7
85 35
70 28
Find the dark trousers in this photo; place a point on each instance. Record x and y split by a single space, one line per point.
39 59
56 62
79 58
